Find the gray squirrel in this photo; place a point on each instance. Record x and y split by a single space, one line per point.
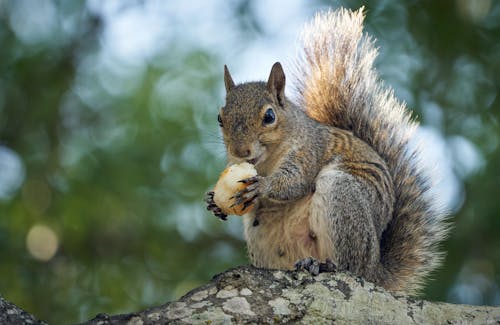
338 187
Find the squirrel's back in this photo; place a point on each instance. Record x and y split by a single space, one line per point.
337 85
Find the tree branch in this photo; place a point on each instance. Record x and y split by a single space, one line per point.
250 295
246 295
13 315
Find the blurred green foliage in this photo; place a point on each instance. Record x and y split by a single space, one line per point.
114 155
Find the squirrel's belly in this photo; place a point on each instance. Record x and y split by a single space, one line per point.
277 238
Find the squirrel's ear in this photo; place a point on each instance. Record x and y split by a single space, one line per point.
228 81
276 83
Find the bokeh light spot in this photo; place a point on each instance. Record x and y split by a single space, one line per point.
12 173
474 10
42 242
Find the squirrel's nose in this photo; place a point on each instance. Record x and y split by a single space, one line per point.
241 151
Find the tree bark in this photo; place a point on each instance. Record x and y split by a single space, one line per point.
12 315
248 295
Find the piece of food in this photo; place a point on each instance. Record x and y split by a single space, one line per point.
229 184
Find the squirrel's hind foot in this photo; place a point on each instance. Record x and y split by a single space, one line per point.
314 266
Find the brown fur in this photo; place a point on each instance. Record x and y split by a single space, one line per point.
337 179
339 87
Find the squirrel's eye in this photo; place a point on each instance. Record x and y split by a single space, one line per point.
219 119
269 117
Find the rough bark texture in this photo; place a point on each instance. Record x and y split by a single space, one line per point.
247 295
13 315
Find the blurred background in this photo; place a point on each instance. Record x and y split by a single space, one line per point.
109 140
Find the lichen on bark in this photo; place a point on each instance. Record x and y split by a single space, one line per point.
249 295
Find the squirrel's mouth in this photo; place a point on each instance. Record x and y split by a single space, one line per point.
254 161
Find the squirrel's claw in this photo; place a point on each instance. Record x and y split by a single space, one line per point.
250 180
249 202
211 206
308 264
315 267
248 194
328 266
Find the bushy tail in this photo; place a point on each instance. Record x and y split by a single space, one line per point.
338 85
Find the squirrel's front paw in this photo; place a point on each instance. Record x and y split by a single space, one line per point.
211 206
248 195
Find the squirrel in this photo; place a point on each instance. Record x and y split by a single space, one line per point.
338 186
